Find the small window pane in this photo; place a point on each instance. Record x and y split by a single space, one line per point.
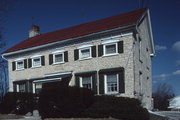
112 83
22 88
109 49
38 87
86 82
36 62
58 58
85 53
20 65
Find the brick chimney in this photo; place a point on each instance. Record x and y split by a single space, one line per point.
35 30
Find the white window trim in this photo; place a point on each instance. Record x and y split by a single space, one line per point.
84 48
33 61
35 56
19 59
57 53
80 82
105 85
104 49
22 60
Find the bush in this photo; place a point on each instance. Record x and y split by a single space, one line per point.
58 101
116 107
17 103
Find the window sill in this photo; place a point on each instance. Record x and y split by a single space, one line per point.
35 66
111 93
106 55
85 58
58 63
19 69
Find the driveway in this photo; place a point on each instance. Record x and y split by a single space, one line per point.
172 115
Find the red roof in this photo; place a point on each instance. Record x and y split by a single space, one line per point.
80 30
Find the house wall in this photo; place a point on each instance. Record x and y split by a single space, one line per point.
142 60
121 60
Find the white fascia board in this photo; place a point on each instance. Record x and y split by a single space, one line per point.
84 46
35 56
19 59
151 35
62 41
58 51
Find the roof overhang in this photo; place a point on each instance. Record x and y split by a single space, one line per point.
67 40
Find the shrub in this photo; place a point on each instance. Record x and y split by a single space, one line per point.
58 101
17 103
116 107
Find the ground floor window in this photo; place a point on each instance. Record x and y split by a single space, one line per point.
21 87
38 88
111 83
86 82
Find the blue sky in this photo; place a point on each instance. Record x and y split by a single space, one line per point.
52 15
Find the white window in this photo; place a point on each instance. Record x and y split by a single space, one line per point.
38 87
20 65
36 62
85 53
86 82
58 58
111 83
110 49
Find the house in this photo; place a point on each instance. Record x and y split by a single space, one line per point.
110 56
174 103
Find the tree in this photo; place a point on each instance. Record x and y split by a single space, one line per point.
4 7
163 93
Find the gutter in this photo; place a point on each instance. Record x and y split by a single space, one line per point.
62 41
4 57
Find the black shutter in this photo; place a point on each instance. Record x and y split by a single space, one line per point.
50 59
101 83
66 56
93 51
100 50
14 87
120 47
29 63
76 54
26 86
121 82
77 81
25 63
94 83
42 60
13 66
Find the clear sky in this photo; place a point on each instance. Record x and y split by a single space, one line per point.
53 15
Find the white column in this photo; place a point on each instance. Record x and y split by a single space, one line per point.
34 88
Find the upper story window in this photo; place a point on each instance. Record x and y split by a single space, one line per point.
111 47
86 82
58 57
111 83
85 52
19 64
36 62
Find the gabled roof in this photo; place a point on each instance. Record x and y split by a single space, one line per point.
80 30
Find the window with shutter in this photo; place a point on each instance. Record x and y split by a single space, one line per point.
36 62
58 57
20 65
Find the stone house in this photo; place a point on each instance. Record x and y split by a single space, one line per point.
110 56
